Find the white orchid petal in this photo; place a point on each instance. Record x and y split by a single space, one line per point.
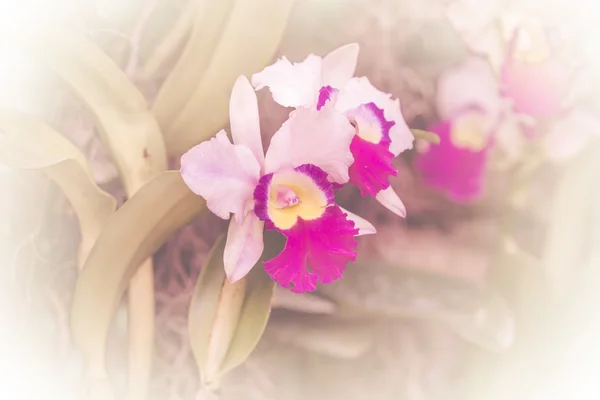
292 85
364 227
244 118
222 173
339 65
470 84
321 138
243 247
390 200
360 91
571 134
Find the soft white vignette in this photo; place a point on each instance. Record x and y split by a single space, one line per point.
27 367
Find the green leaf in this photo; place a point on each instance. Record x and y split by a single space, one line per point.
172 40
131 235
28 143
209 19
135 142
228 41
226 320
569 227
128 128
477 314
425 135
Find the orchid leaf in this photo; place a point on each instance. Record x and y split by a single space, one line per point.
172 40
126 125
131 235
135 142
229 39
208 21
28 143
572 209
426 136
477 314
226 320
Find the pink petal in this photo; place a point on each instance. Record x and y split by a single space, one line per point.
310 136
339 65
222 173
510 135
390 200
457 172
244 119
373 162
470 84
537 89
364 227
292 85
360 91
320 237
244 246
315 251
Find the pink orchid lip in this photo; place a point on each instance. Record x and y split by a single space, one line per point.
373 161
315 251
458 172
370 147
320 238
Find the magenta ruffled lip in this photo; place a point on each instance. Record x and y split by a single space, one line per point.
457 172
373 162
316 250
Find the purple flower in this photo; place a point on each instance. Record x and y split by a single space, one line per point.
290 189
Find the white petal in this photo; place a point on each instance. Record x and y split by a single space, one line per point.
390 200
360 91
339 65
244 119
470 84
571 134
224 174
364 227
292 85
510 136
314 137
244 246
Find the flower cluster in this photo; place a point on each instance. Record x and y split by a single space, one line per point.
520 90
342 130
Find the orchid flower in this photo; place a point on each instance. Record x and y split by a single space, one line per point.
469 106
380 130
289 190
523 49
